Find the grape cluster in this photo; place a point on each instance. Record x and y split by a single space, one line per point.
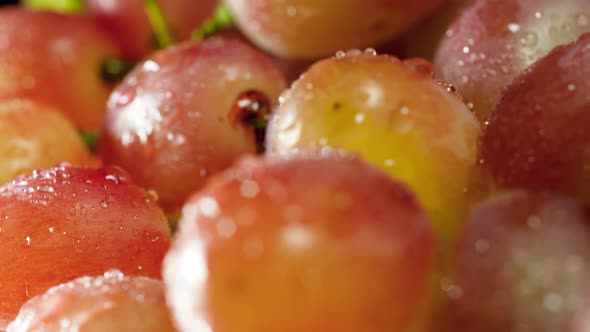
295 165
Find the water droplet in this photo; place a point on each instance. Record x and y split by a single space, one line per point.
151 66
226 227
249 188
370 51
208 207
514 27
482 246
582 20
553 302
529 39
359 118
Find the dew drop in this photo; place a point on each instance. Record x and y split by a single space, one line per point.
514 27
370 51
151 66
249 188
529 39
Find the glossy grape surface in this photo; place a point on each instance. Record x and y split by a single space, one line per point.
300 245
55 59
67 222
36 136
169 123
394 115
310 29
523 265
492 42
110 302
538 135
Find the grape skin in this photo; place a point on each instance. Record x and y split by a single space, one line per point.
168 123
311 29
492 42
66 222
523 264
393 114
538 135
110 302
296 245
36 136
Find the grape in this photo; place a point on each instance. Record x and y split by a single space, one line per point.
111 302
307 29
393 114
128 23
55 59
538 134
523 264
494 41
300 245
36 136
67 222
178 117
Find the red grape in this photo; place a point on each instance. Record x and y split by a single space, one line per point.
538 133
33 136
67 222
55 59
314 28
494 41
523 265
300 245
112 302
177 118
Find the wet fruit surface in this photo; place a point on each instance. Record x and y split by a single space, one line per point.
172 122
311 29
394 115
303 242
36 136
523 264
493 41
55 59
66 222
538 134
110 302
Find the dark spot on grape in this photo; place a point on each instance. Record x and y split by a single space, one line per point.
252 109
336 106
113 70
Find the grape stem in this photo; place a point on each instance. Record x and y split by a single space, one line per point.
221 18
63 6
90 138
160 28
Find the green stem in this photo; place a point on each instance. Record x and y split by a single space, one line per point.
113 70
164 37
63 6
90 138
221 18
